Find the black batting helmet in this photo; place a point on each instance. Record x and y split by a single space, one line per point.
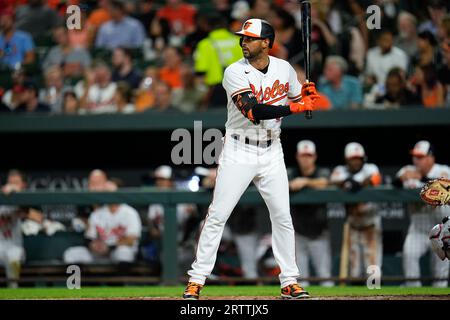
257 28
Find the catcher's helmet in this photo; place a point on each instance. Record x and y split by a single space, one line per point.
439 236
257 28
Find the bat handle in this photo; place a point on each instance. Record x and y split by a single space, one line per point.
308 113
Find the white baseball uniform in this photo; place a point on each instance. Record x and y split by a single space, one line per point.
109 227
11 242
243 160
423 217
365 229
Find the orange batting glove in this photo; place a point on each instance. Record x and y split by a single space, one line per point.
307 103
309 89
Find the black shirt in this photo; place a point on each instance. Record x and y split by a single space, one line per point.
146 19
405 98
444 74
310 220
4 107
133 78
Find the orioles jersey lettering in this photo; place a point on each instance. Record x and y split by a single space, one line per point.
275 87
277 90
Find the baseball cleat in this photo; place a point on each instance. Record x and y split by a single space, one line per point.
294 291
192 291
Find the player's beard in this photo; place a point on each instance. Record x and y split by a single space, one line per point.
249 55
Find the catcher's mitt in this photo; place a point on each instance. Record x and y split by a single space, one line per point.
436 192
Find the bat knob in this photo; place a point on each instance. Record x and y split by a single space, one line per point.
308 114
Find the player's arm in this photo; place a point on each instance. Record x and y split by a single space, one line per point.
317 183
127 240
314 183
134 228
373 180
338 177
406 173
374 177
248 105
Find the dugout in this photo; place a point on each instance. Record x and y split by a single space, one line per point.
128 146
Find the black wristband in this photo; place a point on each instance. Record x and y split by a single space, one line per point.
267 111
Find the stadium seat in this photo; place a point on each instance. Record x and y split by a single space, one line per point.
45 248
44 41
101 54
5 79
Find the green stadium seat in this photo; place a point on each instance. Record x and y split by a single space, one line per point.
50 248
42 249
44 41
72 81
33 68
101 54
141 65
5 79
137 54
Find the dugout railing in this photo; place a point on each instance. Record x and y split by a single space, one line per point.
134 196
170 120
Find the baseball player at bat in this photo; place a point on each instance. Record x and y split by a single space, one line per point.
261 90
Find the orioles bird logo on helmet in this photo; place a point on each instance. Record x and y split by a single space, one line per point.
247 25
257 28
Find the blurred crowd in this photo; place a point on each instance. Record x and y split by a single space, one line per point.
153 55
121 234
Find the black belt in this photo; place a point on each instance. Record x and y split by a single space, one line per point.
256 143
362 228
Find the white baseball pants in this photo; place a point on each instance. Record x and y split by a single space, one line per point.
366 248
11 256
319 250
82 254
240 164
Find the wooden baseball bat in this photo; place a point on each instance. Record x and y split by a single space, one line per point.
345 248
306 39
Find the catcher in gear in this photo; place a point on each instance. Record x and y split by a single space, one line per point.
423 217
440 239
436 192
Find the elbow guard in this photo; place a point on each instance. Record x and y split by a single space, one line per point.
245 101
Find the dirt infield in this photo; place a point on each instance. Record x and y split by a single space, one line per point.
375 297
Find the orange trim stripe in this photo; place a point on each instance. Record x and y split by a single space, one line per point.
296 97
240 91
250 115
277 99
